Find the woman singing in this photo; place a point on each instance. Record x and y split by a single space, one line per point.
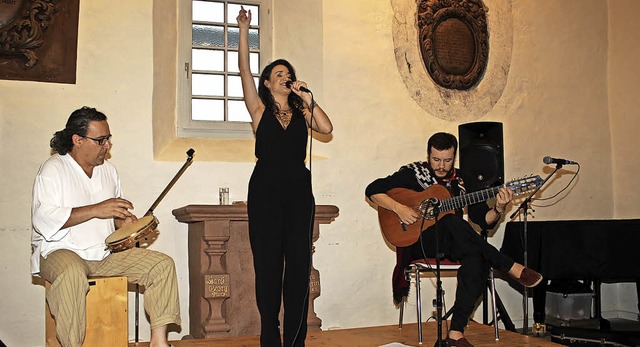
280 201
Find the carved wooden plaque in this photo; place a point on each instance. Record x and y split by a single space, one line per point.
38 40
454 41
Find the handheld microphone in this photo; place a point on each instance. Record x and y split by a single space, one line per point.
302 89
548 160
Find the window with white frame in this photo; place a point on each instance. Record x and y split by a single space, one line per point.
210 91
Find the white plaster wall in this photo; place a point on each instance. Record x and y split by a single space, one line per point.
624 109
555 102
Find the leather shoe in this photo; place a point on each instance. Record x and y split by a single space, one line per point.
529 278
461 342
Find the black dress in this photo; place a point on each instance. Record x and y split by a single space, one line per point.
281 208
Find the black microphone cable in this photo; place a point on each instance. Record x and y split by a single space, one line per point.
311 219
561 190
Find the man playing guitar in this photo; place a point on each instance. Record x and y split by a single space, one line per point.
458 241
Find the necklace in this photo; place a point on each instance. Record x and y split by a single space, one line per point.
284 117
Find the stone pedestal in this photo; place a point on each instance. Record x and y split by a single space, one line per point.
221 277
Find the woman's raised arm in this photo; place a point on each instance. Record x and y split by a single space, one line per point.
251 98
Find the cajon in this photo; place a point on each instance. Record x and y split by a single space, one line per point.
107 318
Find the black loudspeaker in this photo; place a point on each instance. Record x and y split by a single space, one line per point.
481 154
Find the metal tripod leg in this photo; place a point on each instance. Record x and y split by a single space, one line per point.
419 305
493 300
500 312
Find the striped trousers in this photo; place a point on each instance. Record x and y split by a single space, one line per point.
67 273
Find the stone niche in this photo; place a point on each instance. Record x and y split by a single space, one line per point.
443 56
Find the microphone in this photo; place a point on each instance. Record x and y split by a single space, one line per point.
548 160
302 89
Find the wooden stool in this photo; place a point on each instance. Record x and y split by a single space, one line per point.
107 318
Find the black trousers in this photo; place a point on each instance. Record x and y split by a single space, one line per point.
281 210
458 241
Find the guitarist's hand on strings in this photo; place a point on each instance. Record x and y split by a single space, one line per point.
406 214
503 198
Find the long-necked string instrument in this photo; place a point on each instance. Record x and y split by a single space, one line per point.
131 234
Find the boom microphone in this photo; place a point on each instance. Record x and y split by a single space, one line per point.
548 160
302 89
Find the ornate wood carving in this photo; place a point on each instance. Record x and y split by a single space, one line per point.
454 41
24 34
38 40
221 275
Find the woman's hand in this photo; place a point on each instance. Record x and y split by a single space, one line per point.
295 87
244 18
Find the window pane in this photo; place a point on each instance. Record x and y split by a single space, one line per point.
234 9
206 11
235 86
209 85
234 37
207 59
254 39
211 110
232 62
254 62
207 36
238 112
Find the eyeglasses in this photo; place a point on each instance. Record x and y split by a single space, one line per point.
100 141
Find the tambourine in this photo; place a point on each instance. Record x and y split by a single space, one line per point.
130 234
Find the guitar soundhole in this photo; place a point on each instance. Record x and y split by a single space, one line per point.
428 208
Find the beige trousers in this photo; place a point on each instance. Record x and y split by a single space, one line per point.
67 273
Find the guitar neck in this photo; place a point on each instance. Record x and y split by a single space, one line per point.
461 201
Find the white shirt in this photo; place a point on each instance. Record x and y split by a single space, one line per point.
61 185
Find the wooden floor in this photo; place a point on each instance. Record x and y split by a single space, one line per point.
479 335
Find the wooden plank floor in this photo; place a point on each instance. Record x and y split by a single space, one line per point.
479 335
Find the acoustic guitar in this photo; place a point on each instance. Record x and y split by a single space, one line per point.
436 201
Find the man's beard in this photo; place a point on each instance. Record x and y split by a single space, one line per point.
433 173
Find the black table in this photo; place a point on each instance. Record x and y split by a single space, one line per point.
590 250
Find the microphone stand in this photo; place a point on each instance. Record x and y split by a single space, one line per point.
524 206
439 291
